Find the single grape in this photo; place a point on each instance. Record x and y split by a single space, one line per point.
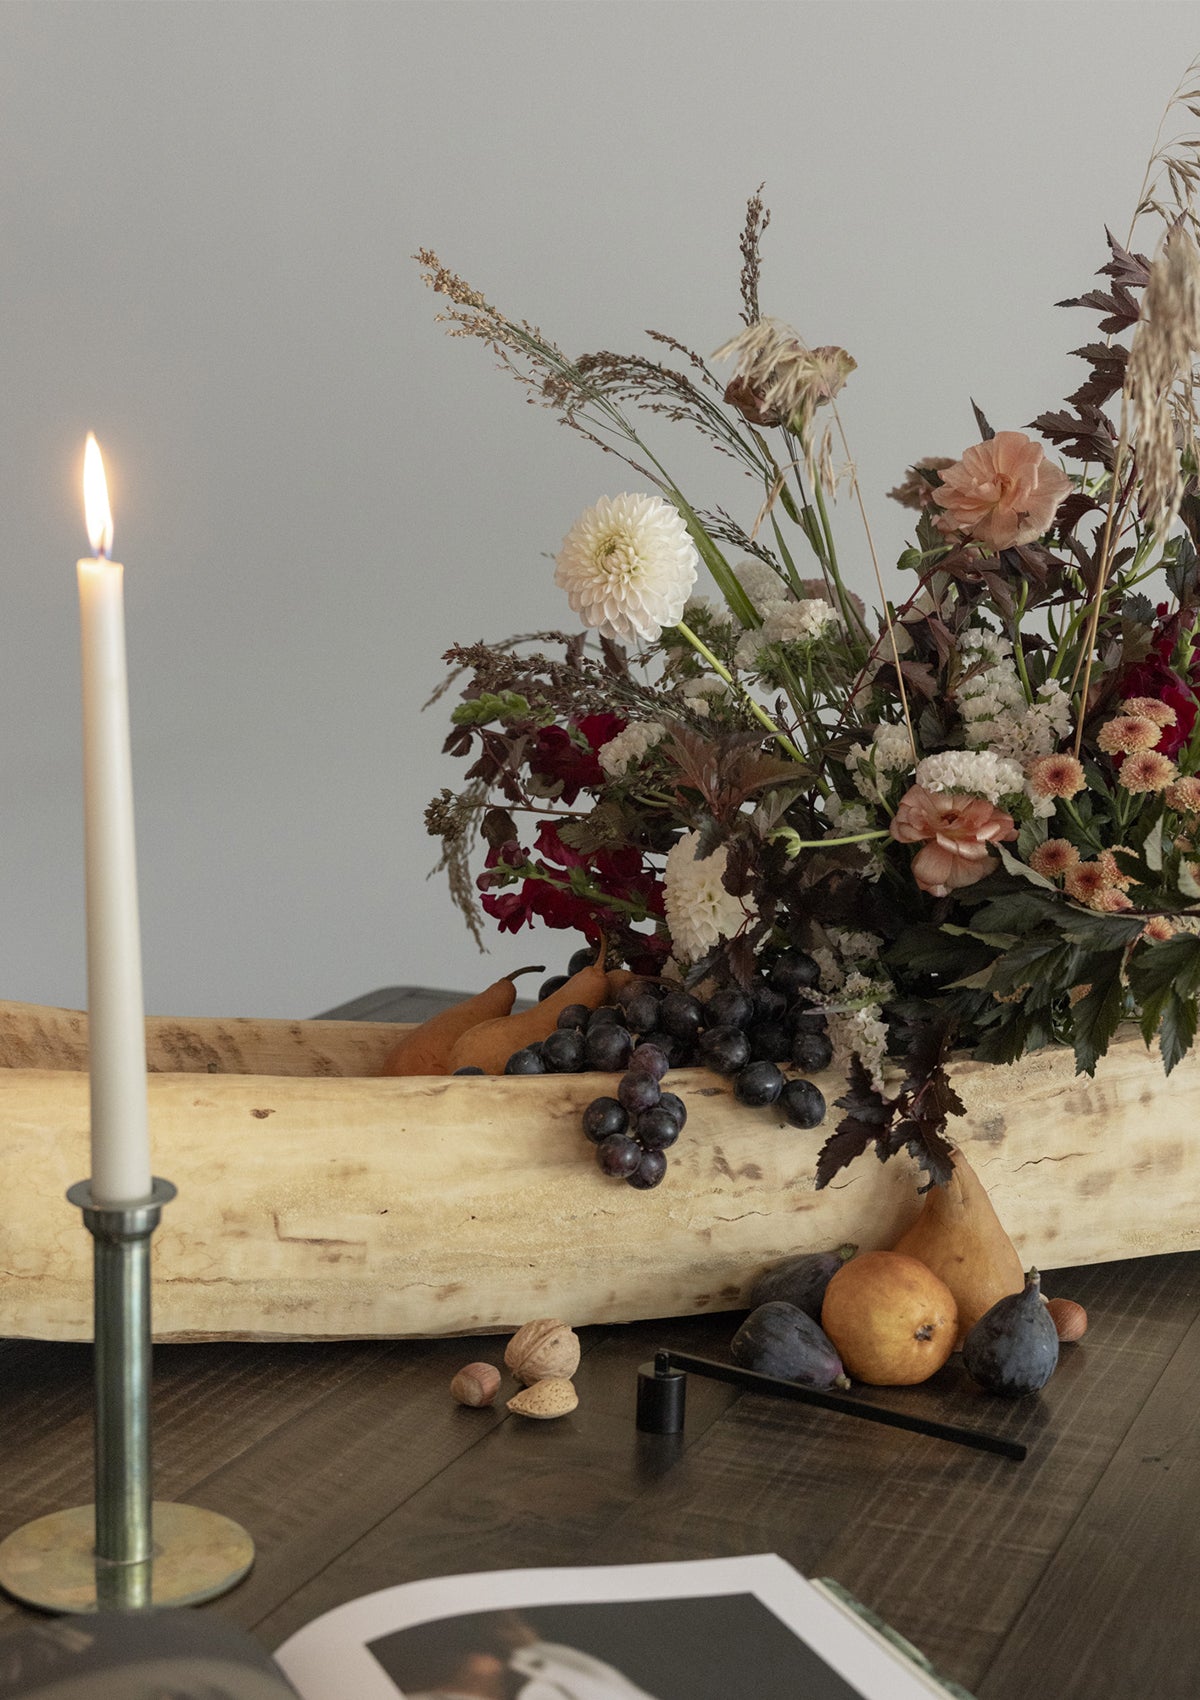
526 1061
769 1005
724 1049
602 1017
812 1052
604 1117
674 1103
794 971
681 1015
729 1008
641 1012
575 1015
638 1091
548 987
619 1155
649 1171
656 1129
563 1051
607 1047
770 1041
470 1069
678 1052
580 959
802 1103
649 1059
805 1019
757 1084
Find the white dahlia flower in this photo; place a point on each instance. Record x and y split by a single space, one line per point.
628 567
699 909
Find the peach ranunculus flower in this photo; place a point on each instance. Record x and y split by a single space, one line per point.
956 831
1002 492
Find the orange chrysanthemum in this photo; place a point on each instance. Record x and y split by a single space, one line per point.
1053 858
1184 795
1159 929
1128 734
1085 882
1147 771
1056 776
1108 861
1149 708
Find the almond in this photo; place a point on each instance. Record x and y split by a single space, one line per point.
553 1396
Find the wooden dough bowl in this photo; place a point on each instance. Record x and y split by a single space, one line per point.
317 1202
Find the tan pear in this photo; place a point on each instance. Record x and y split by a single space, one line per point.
959 1236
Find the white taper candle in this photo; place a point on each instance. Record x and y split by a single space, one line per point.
116 1015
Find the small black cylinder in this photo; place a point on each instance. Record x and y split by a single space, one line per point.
661 1397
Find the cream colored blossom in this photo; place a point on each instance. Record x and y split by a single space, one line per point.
624 751
700 912
628 567
1085 882
1003 492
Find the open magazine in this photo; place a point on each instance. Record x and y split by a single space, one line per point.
713 1629
708 1629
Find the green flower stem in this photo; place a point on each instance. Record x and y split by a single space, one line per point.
849 838
1085 831
1018 646
850 613
760 714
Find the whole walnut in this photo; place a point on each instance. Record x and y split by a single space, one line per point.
542 1349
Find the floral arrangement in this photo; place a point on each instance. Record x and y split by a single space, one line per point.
978 808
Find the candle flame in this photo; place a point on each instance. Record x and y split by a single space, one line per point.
95 500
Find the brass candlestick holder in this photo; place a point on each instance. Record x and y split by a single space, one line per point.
126 1552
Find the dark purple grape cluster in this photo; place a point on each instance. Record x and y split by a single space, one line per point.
759 1037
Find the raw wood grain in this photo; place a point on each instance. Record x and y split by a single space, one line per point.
320 1205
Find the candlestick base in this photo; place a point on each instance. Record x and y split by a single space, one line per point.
196 1555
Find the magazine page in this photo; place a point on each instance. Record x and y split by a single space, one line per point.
705 1629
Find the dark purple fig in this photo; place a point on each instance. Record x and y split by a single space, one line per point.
779 1339
801 1281
1013 1348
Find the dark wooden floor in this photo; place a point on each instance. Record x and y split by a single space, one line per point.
1074 1574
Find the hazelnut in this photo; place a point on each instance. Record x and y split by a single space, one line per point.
543 1348
476 1384
1070 1319
553 1396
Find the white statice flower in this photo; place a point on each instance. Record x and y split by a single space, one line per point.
806 620
629 746
856 1023
700 693
699 910
856 947
628 567
762 584
873 765
994 710
846 818
979 773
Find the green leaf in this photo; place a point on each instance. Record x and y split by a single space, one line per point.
1175 964
1017 912
999 941
1152 849
1096 1017
1022 871
1177 1029
1097 932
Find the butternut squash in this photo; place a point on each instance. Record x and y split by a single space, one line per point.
426 1049
490 1044
960 1237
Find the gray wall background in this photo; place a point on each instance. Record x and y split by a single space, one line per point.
207 213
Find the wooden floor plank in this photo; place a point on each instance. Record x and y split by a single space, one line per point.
1131 1559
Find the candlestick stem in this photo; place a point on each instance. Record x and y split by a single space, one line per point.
125 1552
